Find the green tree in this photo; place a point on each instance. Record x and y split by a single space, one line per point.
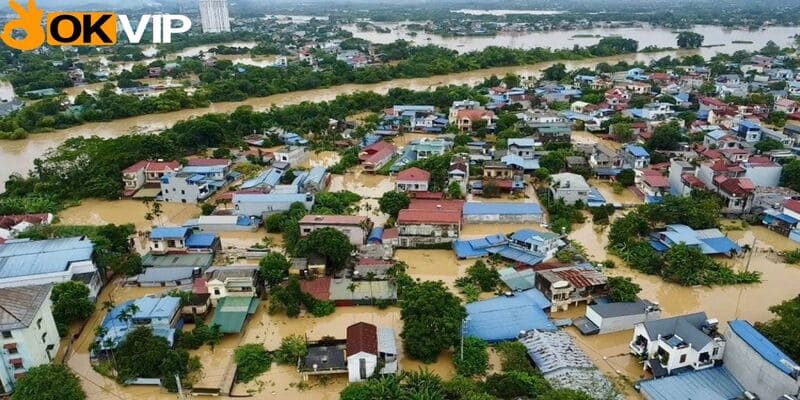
555 72
486 277
665 137
276 223
514 357
454 191
207 208
782 330
516 384
252 360
292 348
690 40
791 175
623 289
768 144
140 355
626 177
274 268
475 360
71 303
392 202
432 320
623 132
333 245
49 382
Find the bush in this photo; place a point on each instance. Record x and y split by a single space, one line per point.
292 348
252 360
476 358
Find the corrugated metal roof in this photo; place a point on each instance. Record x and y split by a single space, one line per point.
503 318
19 305
232 312
163 232
708 384
475 208
763 346
201 240
29 257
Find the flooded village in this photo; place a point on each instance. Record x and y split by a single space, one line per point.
481 203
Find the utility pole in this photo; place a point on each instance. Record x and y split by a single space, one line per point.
180 388
750 256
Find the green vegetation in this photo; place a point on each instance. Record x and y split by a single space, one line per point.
514 357
49 382
623 289
392 202
475 360
292 348
690 40
144 355
484 277
349 159
252 360
274 268
432 319
791 257
782 330
681 264
70 304
791 175
562 215
291 298
201 334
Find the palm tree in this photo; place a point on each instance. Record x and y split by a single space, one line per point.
352 288
108 305
371 277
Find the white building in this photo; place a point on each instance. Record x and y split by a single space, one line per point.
569 187
355 227
28 333
235 281
39 262
366 346
687 341
260 205
214 16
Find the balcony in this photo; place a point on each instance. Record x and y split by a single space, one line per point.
638 349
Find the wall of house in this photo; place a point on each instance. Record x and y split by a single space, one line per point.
56 277
32 343
133 180
260 209
753 372
412 186
571 196
180 191
354 367
622 323
764 176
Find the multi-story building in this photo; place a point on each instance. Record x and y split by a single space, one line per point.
214 16
355 227
28 333
687 341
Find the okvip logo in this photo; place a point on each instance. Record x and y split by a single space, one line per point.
85 28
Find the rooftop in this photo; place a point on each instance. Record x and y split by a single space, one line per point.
19 305
763 346
34 257
502 318
687 327
475 208
414 174
709 384
333 220
362 337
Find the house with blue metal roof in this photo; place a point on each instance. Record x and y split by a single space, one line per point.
267 180
526 246
25 262
634 157
709 241
260 205
475 212
502 318
165 240
757 364
161 314
711 384
477 248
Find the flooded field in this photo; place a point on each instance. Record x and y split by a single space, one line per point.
606 188
18 155
723 39
101 212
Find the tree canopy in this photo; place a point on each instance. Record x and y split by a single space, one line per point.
49 382
432 320
70 303
690 40
623 289
274 268
392 202
782 330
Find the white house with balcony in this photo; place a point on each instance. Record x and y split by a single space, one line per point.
686 342
28 333
232 281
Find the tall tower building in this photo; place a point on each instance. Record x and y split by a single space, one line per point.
214 16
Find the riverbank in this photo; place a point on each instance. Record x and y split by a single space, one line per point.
18 156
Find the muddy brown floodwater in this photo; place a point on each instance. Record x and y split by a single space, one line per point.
17 156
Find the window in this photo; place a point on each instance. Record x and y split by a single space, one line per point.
216 292
7 334
39 323
715 351
683 358
44 337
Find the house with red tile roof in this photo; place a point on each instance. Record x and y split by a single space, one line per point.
413 180
430 222
465 118
376 155
11 225
145 173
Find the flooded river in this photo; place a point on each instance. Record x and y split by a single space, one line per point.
646 36
17 156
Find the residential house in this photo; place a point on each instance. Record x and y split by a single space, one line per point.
602 318
408 117
653 111
232 281
429 221
312 267
294 155
708 241
12 225
465 119
260 205
570 285
749 131
413 180
29 334
458 172
232 313
634 157
569 187
161 314
757 363
185 187
167 240
653 186
25 262
762 171
786 220
524 148
502 318
144 173
355 227
787 106
265 181
719 139
376 155
603 156
459 105
683 342
370 350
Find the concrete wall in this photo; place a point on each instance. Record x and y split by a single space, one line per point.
616 324
571 196
503 219
753 372
354 367
355 233
764 176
